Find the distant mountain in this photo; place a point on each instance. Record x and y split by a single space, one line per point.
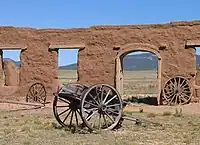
143 61
17 63
69 67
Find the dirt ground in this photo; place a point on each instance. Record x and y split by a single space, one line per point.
189 109
25 125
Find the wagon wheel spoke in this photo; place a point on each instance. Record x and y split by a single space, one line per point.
170 96
113 105
90 116
93 123
94 99
76 118
102 91
186 91
183 98
105 120
99 120
63 100
184 85
67 116
106 96
168 87
179 98
175 83
41 89
62 106
185 95
176 99
172 83
97 95
42 93
79 112
168 91
32 92
110 99
112 111
71 119
186 88
91 104
63 112
179 82
172 99
109 116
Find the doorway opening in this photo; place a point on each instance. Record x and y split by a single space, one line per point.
10 66
140 71
197 57
67 65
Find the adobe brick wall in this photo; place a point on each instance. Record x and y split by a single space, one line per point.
97 60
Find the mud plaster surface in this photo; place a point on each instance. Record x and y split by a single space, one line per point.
96 63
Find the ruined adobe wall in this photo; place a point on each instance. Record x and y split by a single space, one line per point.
97 60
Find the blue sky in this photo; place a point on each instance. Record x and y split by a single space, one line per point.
85 13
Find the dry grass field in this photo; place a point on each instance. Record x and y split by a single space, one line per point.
135 82
39 127
67 76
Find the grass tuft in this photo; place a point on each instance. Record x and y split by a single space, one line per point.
178 113
167 113
151 115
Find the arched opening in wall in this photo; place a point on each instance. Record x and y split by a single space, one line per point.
10 66
138 75
67 65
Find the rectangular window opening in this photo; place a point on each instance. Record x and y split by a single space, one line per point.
67 65
10 67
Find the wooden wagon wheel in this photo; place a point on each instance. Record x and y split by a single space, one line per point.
177 90
67 110
37 93
101 107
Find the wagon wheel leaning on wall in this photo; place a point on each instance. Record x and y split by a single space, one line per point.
37 93
177 90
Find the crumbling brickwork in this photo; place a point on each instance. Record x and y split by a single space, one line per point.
103 44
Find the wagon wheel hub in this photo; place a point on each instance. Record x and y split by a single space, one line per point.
102 108
178 90
73 105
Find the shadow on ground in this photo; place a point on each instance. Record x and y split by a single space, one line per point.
145 100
